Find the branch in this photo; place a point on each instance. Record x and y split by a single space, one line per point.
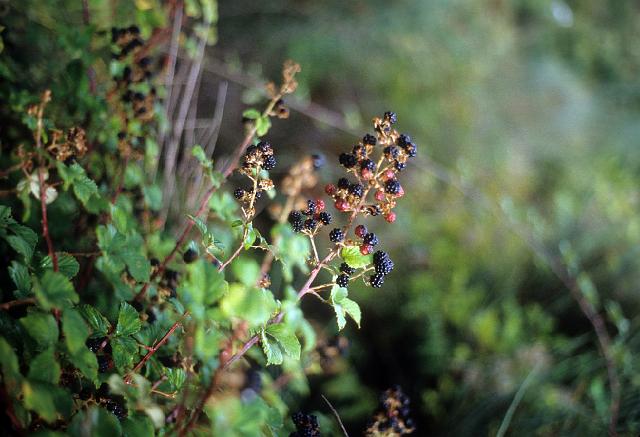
14 303
335 413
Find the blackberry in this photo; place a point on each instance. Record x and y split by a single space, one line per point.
104 363
144 62
376 280
347 160
342 280
347 269
155 262
264 147
380 256
361 231
391 152
190 256
134 30
400 166
359 151
269 163
368 164
392 186
411 150
369 139
356 189
310 224
311 208
391 117
251 149
336 235
306 425
343 183
384 267
371 239
325 217
116 408
403 140
318 160
94 343
295 220
238 193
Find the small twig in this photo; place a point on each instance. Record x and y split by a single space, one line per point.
236 253
516 400
155 348
337 416
14 303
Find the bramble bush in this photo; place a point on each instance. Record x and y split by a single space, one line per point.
113 325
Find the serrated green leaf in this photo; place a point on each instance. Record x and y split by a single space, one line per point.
176 377
353 309
263 124
55 291
94 422
352 256
342 305
271 349
128 320
67 264
137 264
287 339
97 322
20 245
251 114
125 351
42 328
256 306
11 376
19 274
75 330
137 426
246 270
47 400
45 368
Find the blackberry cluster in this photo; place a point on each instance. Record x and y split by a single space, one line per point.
369 239
189 256
115 405
383 266
392 416
136 75
310 219
306 425
257 157
345 275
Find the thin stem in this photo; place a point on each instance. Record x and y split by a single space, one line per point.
337 416
14 303
237 251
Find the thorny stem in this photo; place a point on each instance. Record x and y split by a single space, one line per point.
155 348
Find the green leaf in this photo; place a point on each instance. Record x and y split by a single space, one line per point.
271 349
45 368
19 274
20 245
353 309
198 153
67 264
263 124
10 368
42 328
251 114
98 323
352 256
176 377
343 305
128 320
138 265
137 426
75 330
47 400
340 316
246 270
55 291
251 237
209 242
287 339
152 197
256 306
94 422
125 351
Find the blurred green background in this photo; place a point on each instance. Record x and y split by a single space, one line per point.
526 117
523 201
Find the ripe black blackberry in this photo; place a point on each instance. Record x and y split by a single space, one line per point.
238 193
306 425
403 140
264 147
371 239
343 183
384 266
359 150
190 256
391 152
342 280
369 139
310 224
94 343
347 160
356 189
269 163
347 269
391 117
336 235
116 407
411 150
392 186
311 208
376 280
399 166
104 363
368 164
295 220
325 217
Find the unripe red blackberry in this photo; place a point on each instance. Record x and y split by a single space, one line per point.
376 280
348 160
325 218
366 249
330 189
371 239
342 205
392 186
361 231
390 217
379 195
347 269
269 163
190 256
342 280
336 235
320 205
369 139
